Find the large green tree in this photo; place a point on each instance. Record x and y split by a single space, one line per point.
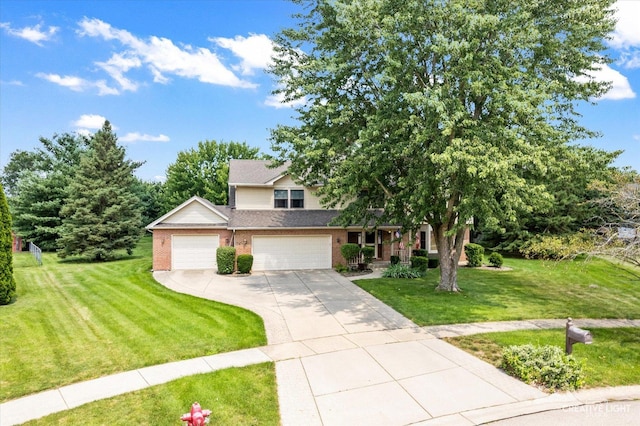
436 110
574 183
101 214
7 282
39 181
204 171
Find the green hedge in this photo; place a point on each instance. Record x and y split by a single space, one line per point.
395 260
245 262
367 254
349 251
475 254
495 259
419 252
433 262
420 263
225 257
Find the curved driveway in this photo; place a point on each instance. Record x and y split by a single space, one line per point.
344 357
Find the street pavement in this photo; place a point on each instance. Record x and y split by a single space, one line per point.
343 358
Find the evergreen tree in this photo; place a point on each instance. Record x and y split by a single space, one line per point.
7 282
102 213
38 186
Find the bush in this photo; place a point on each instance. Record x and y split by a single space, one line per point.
368 253
433 262
475 254
420 263
553 247
419 252
395 260
495 259
225 257
401 271
547 366
350 251
245 263
340 268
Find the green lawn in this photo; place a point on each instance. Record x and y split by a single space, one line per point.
236 396
613 359
532 289
75 321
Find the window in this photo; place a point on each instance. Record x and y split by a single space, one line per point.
297 198
285 198
281 197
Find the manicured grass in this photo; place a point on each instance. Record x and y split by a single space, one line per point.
75 321
613 359
237 396
532 289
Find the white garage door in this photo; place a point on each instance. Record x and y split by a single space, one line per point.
194 251
300 252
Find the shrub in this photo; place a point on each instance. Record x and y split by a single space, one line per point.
368 253
433 262
401 271
495 259
340 268
420 263
225 257
395 260
543 365
350 251
419 252
475 254
245 262
7 282
558 247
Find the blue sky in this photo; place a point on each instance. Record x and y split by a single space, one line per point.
168 74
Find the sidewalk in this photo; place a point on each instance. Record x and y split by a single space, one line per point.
343 357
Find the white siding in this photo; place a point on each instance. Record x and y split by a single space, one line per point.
194 251
194 213
273 253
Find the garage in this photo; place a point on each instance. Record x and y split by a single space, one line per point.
277 253
194 251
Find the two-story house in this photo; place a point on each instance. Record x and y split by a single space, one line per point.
279 222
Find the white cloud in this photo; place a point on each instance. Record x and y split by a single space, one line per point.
255 51
636 137
277 101
12 83
91 121
78 84
627 32
161 56
117 66
138 137
33 34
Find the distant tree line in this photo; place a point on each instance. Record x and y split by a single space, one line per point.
78 194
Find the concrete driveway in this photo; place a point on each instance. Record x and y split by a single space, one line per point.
345 358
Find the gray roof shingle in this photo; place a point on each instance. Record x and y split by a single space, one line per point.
254 172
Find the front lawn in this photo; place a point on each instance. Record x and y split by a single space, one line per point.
236 396
75 321
533 289
613 359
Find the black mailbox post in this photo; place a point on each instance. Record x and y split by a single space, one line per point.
576 335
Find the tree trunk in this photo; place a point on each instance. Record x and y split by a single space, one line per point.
449 251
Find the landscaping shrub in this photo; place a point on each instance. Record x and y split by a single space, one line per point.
401 271
350 251
225 257
368 253
547 366
420 263
340 268
433 262
395 260
496 260
475 254
553 247
245 262
419 252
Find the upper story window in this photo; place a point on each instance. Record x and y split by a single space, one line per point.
288 198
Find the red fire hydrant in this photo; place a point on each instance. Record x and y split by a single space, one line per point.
197 416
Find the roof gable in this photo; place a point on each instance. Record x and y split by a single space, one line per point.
195 210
